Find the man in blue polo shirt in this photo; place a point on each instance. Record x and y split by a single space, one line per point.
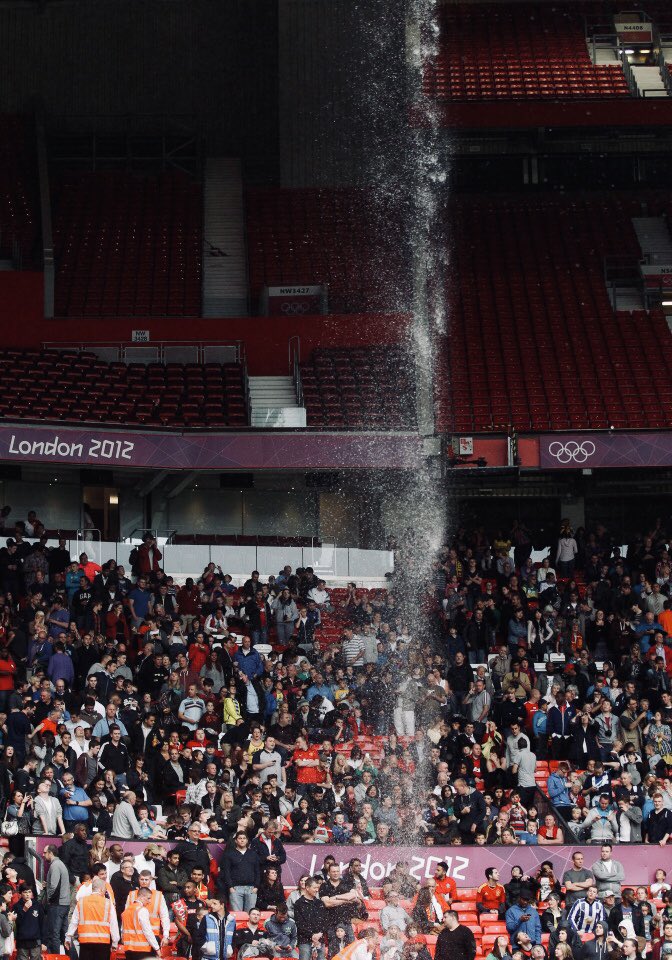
75 802
139 601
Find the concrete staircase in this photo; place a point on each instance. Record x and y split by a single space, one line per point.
224 256
654 239
273 403
649 81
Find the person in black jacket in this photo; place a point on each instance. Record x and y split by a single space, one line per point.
269 847
584 746
658 824
456 941
617 914
193 851
240 874
75 853
259 613
598 947
312 920
30 926
469 808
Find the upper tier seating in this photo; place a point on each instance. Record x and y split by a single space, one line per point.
78 387
534 342
509 51
19 208
127 244
336 237
366 388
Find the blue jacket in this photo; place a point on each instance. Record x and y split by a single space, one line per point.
250 663
209 936
558 793
514 924
560 722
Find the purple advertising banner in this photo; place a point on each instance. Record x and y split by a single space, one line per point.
572 451
209 451
466 865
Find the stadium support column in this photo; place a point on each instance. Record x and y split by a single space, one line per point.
45 214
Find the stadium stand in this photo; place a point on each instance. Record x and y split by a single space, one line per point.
127 244
528 51
362 388
535 343
79 387
338 237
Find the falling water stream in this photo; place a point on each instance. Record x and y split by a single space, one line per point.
411 172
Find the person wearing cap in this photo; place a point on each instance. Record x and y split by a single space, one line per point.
150 859
137 935
94 921
521 917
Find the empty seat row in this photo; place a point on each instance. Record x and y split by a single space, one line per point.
366 389
346 239
127 244
78 387
526 50
534 343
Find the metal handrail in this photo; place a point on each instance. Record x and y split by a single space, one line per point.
155 532
159 345
246 388
629 75
602 39
294 349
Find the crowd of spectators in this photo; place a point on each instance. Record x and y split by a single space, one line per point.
135 705
277 710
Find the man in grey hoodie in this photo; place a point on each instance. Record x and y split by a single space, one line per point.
58 900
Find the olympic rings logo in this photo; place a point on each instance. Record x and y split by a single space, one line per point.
294 308
571 451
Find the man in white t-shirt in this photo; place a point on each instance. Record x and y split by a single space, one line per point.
191 709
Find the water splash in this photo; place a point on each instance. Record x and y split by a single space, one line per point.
420 185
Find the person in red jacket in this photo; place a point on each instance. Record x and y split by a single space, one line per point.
445 885
116 624
7 673
149 556
198 653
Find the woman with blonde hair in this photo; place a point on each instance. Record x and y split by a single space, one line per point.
99 852
563 951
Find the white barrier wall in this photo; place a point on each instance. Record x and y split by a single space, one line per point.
185 560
